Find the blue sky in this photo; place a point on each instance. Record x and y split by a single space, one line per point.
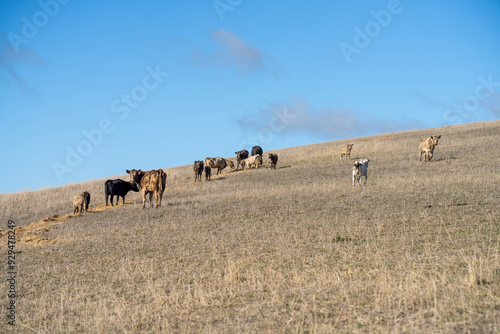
89 89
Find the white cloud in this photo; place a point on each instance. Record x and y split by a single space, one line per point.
324 123
231 50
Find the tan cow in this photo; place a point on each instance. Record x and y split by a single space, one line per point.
255 160
81 200
427 146
219 163
150 182
346 151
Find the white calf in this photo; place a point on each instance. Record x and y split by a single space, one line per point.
360 169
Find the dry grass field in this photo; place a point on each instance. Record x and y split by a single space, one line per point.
296 249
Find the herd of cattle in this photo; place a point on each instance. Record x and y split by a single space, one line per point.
153 182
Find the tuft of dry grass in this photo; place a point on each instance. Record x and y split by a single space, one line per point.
296 249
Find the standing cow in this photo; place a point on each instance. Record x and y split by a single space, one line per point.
346 151
257 150
360 169
150 182
240 155
427 146
208 173
198 170
219 163
80 202
118 188
273 158
255 160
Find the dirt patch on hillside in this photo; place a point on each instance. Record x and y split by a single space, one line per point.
34 233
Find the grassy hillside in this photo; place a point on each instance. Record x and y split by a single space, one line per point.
297 249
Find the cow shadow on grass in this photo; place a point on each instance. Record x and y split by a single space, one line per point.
444 158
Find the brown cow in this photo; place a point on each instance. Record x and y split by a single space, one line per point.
81 200
152 182
208 173
219 163
346 151
427 146
273 158
198 170
240 155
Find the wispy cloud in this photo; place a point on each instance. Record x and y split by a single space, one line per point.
324 123
231 50
9 59
492 104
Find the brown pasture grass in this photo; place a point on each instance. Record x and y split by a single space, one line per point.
296 249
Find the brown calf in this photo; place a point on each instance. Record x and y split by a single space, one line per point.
346 151
81 200
427 146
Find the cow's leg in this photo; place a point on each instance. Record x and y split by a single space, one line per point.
420 158
158 200
151 198
366 177
143 199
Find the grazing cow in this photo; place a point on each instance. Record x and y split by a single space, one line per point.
255 160
273 158
118 188
208 173
240 155
346 151
219 163
150 182
360 169
257 150
198 170
81 200
427 146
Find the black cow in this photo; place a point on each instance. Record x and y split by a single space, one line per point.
257 150
119 188
208 173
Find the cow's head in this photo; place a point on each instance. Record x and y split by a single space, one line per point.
435 139
230 163
134 174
